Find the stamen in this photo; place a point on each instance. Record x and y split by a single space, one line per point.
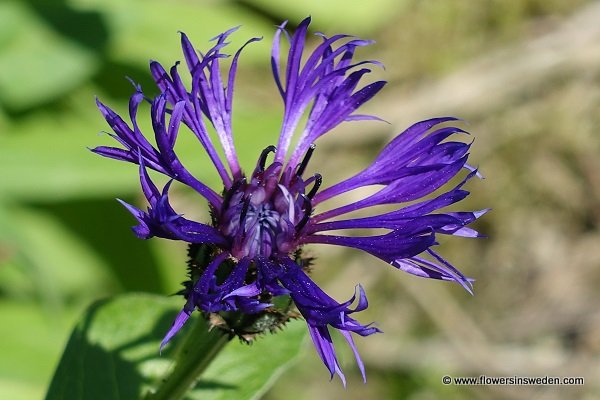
229 194
316 186
244 212
306 159
307 212
262 160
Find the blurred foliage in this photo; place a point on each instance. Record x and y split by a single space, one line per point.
64 241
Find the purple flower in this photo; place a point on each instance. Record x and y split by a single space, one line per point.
248 258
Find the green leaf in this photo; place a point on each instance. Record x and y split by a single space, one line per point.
113 354
31 340
44 158
246 372
147 29
124 257
44 260
37 64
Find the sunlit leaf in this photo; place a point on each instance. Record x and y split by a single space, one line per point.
146 29
244 373
45 156
113 354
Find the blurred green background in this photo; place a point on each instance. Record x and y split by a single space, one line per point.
524 74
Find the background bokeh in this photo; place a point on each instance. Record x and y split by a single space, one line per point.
524 74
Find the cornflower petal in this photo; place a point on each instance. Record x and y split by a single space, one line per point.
180 320
390 247
423 181
321 311
162 221
322 81
137 146
406 155
135 143
324 345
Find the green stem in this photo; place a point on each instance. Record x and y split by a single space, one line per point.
195 354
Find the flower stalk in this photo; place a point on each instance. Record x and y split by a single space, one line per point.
196 352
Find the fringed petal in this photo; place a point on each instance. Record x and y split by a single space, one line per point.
210 97
398 244
327 80
137 147
162 221
321 311
414 151
180 320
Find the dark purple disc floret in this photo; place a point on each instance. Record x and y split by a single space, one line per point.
249 256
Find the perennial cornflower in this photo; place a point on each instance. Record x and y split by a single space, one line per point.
246 266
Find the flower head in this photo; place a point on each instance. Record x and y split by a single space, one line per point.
247 261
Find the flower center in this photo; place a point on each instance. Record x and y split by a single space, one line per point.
264 216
